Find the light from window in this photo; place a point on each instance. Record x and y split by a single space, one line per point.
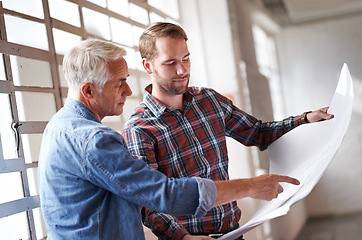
119 6
35 106
121 32
23 72
169 7
32 34
64 41
96 23
138 14
7 135
65 11
33 8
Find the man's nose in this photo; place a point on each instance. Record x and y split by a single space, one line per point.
128 90
181 69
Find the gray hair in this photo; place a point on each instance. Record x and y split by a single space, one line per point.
87 62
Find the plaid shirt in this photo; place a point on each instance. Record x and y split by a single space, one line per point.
191 142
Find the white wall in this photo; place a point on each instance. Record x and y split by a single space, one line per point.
311 57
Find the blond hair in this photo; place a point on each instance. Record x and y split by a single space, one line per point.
161 29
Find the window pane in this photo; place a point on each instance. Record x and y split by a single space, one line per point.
64 41
63 82
11 187
34 106
119 6
65 11
33 180
154 17
2 68
31 144
33 8
96 23
121 32
130 57
170 7
26 32
137 32
101 3
39 224
30 72
14 227
138 14
7 135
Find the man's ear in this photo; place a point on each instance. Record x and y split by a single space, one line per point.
147 65
87 90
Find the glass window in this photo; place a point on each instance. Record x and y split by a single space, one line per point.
39 224
2 69
18 224
33 8
26 32
267 64
8 140
101 3
154 17
121 32
64 41
65 11
119 6
170 7
31 145
32 179
96 23
63 82
31 72
137 32
35 106
138 14
11 187
131 58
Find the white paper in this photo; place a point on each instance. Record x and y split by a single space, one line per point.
304 153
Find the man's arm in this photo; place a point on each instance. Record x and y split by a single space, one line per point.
264 187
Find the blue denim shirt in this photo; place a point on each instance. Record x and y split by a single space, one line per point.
91 188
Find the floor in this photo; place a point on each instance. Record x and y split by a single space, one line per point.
347 227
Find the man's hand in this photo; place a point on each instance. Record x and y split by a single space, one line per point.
264 187
190 237
267 187
319 115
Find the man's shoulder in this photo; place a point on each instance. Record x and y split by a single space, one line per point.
77 125
139 117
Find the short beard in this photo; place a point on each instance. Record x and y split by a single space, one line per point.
172 91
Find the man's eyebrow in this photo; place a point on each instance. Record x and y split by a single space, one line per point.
173 59
124 79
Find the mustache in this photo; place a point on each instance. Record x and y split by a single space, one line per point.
182 77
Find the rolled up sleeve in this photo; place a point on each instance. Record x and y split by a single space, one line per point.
207 196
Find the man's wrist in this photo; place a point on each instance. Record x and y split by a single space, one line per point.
304 118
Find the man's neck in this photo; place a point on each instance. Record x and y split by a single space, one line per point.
172 101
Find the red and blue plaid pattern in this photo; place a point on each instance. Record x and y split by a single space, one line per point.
191 142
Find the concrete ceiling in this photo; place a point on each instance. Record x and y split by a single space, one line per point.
300 11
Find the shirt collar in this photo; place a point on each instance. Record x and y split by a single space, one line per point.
79 108
156 107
